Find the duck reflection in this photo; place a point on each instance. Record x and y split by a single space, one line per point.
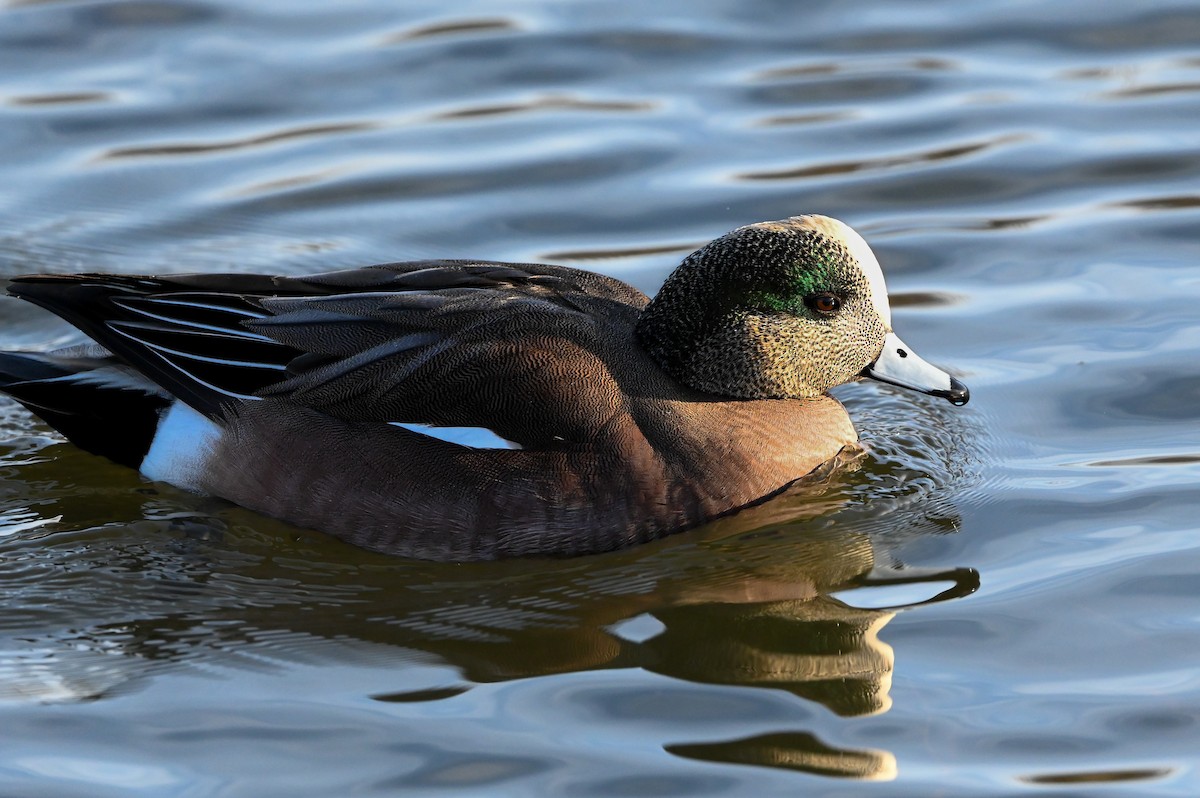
746 601
796 751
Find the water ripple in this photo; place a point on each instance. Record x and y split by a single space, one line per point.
548 102
1153 90
204 148
1149 460
852 66
455 28
61 98
1100 776
1162 203
618 252
879 164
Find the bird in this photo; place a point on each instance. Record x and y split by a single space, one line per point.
462 410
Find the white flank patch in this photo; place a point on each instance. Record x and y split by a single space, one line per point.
181 448
471 437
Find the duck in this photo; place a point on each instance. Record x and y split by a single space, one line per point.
462 410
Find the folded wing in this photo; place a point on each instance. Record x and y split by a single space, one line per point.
444 343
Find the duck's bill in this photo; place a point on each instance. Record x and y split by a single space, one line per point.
897 364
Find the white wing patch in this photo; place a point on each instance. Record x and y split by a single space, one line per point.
471 437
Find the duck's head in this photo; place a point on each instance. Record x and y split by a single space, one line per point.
783 309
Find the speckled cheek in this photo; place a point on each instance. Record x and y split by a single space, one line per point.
874 332
820 356
792 357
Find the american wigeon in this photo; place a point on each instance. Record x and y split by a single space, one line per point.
463 410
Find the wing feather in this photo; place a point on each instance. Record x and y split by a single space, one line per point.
443 343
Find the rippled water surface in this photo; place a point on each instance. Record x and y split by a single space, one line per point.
1027 173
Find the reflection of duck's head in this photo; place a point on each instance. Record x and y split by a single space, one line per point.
820 649
776 626
789 308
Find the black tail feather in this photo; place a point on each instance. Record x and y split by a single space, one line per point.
107 416
184 332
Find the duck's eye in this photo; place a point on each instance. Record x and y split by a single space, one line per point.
823 303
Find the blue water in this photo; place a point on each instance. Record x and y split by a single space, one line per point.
1026 173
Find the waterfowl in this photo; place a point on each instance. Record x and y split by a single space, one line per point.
466 410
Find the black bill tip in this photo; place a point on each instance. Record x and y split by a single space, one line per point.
958 394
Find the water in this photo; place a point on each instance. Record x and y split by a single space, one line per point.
1027 174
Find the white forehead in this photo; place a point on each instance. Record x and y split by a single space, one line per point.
861 252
